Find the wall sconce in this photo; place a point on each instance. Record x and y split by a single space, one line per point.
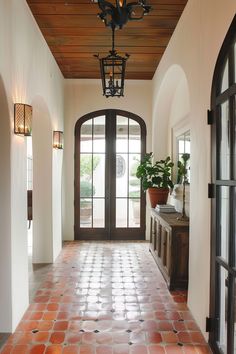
58 139
22 119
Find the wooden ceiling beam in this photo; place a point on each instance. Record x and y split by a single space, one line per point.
96 75
104 31
92 9
55 21
75 2
127 41
67 50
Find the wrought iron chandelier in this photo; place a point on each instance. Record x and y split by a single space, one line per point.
112 69
119 14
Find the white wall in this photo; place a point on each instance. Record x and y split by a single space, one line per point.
42 183
5 214
28 70
82 97
194 47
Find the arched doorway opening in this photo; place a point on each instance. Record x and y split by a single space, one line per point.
6 298
109 203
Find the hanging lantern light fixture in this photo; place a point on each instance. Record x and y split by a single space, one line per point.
112 68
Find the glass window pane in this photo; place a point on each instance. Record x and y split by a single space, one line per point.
134 136
85 212
99 134
224 142
121 175
134 212
181 146
98 212
86 136
225 78
223 300
187 142
99 175
121 212
223 227
121 134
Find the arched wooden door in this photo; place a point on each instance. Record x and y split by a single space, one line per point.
109 203
223 246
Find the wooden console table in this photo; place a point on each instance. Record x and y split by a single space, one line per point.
169 245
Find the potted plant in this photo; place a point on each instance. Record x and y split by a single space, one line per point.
183 178
156 178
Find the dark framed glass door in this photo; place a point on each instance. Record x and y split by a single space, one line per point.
223 252
109 203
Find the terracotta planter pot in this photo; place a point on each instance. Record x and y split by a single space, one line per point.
158 196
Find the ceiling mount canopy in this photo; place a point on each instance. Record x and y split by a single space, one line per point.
119 14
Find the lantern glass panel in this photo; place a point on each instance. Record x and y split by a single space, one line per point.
22 119
58 140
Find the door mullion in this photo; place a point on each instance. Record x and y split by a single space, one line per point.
112 170
107 174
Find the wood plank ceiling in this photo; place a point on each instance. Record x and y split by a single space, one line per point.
74 33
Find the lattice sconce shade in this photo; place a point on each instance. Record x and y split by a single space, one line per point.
22 119
58 139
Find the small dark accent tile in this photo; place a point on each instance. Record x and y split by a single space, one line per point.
180 344
35 331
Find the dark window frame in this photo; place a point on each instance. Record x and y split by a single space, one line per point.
227 52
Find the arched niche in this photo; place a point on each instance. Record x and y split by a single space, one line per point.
5 215
42 183
172 105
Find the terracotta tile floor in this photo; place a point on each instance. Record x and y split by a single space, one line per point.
106 298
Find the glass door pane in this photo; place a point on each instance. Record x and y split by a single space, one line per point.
224 142
223 309
225 77
223 227
92 173
128 155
